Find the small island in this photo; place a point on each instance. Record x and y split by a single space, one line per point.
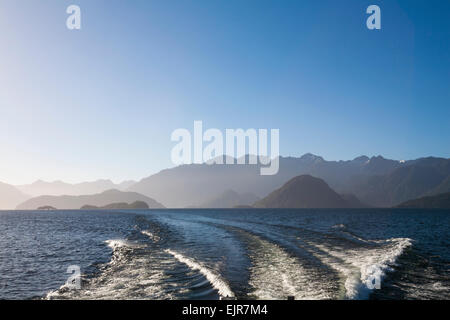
48 208
119 205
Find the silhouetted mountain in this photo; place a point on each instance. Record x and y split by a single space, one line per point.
440 201
426 176
375 181
230 199
443 187
76 202
10 197
304 191
58 188
120 205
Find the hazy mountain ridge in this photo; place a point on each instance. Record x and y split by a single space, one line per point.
416 178
99 200
59 188
10 196
230 199
375 181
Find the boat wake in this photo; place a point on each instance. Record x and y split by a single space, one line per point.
363 269
214 278
277 275
232 259
131 274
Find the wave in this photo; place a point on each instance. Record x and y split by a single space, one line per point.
130 274
214 279
275 274
364 268
116 243
57 294
152 236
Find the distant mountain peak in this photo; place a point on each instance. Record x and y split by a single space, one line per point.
311 157
304 191
361 159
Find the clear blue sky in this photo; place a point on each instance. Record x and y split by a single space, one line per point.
102 102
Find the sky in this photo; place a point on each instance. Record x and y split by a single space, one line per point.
102 102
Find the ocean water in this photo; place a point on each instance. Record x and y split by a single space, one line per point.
240 253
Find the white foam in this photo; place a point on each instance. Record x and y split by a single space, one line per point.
135 279
117 243
364 268
439 286
216 280
125 276
121 243
277 275
152 236
55 294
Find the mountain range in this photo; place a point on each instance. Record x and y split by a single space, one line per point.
59 188
375 181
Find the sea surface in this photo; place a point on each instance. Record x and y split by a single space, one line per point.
237 254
